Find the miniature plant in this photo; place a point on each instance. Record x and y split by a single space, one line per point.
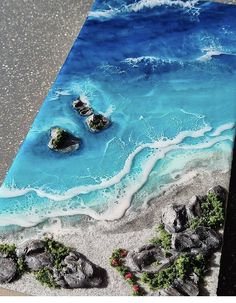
9 250
21 266
164 239
117 261
45 277
183 267
57 250
212 213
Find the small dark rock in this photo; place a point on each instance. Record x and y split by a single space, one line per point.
194 207
82 108
32 246
97 122
63 141
171 291
8 270
36 262
144 258
174 218
187 287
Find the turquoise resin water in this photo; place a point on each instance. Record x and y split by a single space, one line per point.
164 72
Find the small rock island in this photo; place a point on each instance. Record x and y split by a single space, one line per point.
63 141
82 107
97 122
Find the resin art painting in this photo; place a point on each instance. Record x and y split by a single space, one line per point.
121 184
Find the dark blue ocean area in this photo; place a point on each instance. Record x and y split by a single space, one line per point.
164 73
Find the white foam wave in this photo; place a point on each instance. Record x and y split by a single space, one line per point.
123 203
140 5
209 54
223 128
160 145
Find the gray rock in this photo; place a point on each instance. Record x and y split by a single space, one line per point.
8 270
220 192
97 123
78 272
187 287
185 241
82 108
143 259
32 246
174 218
63 141
194 207
38 261
210 240
171 291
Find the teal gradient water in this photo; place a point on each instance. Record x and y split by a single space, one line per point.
164 72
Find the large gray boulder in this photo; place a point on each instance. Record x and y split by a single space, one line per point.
174 218
79 272
194 207
187 288
210 241
185 241
145 257
203 240
30 247
38 261
8 270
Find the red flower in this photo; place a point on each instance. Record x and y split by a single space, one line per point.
115 262
123 253
136 288
128 276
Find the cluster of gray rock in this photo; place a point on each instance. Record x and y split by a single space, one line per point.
75 271
63 141
200 241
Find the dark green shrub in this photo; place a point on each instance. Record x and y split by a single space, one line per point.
212 213
164 239
9 250
57 250
45 277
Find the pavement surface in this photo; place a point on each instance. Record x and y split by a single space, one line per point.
35 38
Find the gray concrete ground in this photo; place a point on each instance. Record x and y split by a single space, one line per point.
35 38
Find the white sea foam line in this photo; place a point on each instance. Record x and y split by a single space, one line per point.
118 210
223 128
6 192
208 56
140 5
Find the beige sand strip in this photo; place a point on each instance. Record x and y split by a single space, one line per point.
7 292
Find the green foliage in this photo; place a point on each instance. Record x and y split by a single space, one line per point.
21 266
183 267
212 213
45 277
9 250
164 239
57 250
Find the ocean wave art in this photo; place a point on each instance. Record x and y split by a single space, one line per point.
140 119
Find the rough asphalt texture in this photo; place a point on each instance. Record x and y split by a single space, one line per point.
35 38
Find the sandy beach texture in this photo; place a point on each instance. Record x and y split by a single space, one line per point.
98 239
